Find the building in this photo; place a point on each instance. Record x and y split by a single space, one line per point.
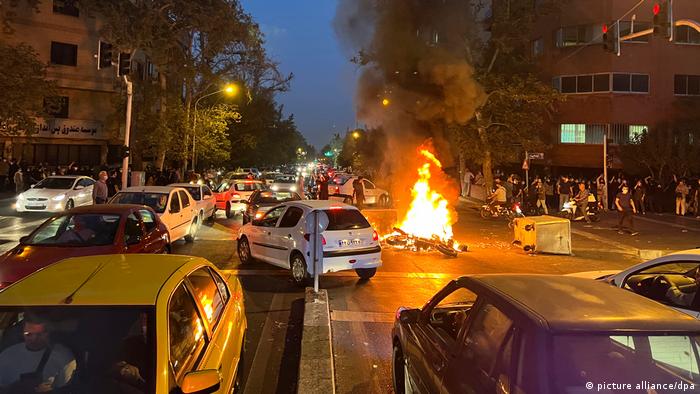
84 128
620 96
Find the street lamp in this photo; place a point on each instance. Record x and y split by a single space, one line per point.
355 134
386 102
230 90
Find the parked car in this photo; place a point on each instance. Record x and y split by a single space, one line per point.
132 324
269 177
204 198
174 205
261 201
232 195
340 188
540 334
653 278
56 194
285 182
281 238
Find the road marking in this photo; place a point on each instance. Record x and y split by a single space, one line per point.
266 346
606 241
369 317
351 274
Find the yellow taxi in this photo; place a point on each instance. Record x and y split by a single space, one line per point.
123 324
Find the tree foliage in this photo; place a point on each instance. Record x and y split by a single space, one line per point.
24 87
665 150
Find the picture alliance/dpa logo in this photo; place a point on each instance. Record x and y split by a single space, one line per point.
679 386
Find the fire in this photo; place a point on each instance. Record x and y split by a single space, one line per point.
428 215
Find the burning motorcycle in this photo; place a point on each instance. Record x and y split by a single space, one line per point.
509 213
570 211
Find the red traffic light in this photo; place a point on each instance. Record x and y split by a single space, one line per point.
605 29
656 9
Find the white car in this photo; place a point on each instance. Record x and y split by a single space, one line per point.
653 278
340 188
284 183
281 238
204 198
56 194
174 206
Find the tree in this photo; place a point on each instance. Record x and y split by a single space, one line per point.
25 89
664 150
213 144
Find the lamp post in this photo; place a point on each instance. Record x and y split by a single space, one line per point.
127 130
230 90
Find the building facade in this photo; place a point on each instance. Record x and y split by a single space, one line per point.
606 94
84 128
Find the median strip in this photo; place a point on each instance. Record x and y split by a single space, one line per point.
316 369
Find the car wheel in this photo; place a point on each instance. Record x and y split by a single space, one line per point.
189 238
244 254
212 218
365 273
70 205
229 214
399 371
300 274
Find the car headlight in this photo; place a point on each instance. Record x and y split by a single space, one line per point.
60 197
274 188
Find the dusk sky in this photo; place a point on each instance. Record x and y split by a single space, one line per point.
300 37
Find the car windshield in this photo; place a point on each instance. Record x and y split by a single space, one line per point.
157 201
85 229
286 179
658 359
195 192
55 183
275 197
87 345
245 187
681 268
224 187
236 175
341 179
345 219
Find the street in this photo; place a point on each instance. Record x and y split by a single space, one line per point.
362 312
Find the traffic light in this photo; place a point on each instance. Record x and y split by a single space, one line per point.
104 55
663 19
124 63
611 38
124 152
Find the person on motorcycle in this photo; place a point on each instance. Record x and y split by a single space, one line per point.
498 197
581 200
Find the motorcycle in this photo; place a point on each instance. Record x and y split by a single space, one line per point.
570 211
509 213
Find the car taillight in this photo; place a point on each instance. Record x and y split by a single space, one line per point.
375 236
337 189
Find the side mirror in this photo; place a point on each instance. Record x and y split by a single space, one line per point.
409 316
24 240
207 381
133 240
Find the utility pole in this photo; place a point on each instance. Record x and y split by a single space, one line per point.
605 169
127 130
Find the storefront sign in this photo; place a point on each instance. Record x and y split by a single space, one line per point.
69 128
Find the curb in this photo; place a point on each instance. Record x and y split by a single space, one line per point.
316 369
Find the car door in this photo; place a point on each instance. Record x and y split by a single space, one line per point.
174 218
89 185
208 197
189 210
261 243
370 192
435 337
286 236
152 242
486 360
133 235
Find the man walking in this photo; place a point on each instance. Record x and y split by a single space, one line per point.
625 210
18 179
358 192
541 196
99 190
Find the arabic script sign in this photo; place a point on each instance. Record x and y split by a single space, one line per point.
70 128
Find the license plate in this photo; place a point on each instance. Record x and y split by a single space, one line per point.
349 242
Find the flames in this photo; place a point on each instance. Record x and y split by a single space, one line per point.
429 215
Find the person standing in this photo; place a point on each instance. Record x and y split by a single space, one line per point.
639 194
541 192
467 182
358 192
625 208
323 187
564 191
613 190
113 184
18 180
100 192
681 195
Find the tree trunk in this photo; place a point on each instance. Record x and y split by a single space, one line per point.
487 164
163 102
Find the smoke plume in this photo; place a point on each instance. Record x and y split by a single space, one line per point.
415 80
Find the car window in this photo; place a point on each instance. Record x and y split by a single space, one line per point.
270 219
175 203
148 219
184 199
224 187
195 192
503 372
86 182
85 229
673 267
676 352
245 187
187 338
206 190
368 184
223 288
291 217
345 219
157 201
450 313
486 336
132 229
207 293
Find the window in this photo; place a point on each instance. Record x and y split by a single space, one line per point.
57 107
86 182
450 313
601 83
368 185
66 7
175 204
291 217
64 54
223 289
636 131
187 337
148 219
686 85
640 83
586 83
461 296
630 83
568 84
537 47
132 230
207 190
345 219
207 293
569 36
270 219
621 82
573 134
195 192
626 29
686 35
185 199
486 336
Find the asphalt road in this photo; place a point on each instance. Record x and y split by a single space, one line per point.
362 311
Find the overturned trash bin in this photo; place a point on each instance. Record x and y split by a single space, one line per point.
543 234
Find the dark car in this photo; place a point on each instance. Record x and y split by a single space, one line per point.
84 231
542 334
262 200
